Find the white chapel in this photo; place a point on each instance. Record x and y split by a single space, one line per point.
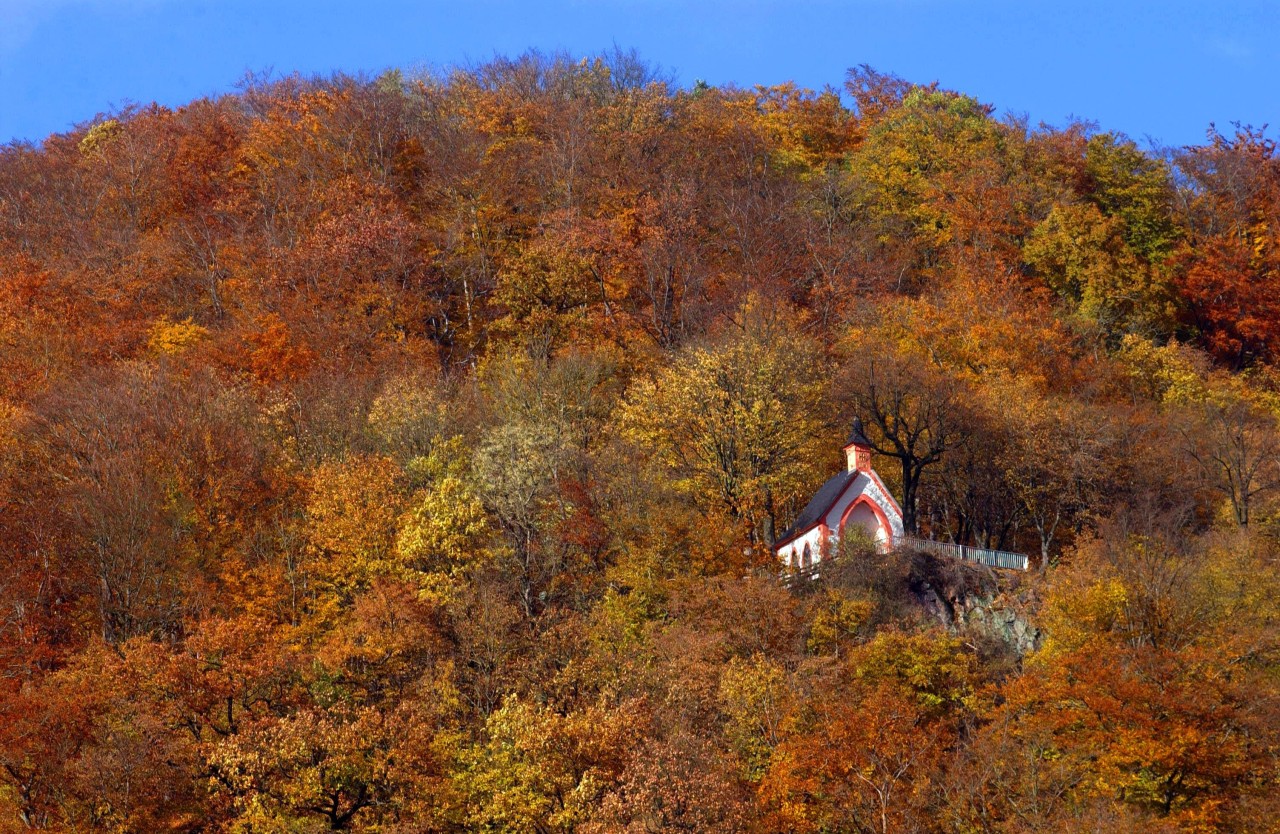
856 497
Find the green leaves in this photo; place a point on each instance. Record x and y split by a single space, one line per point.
1137 189
1083 256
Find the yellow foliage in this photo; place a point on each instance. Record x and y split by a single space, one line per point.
737 423
445 528
407 416
173 338
319 769
811 130
933 667
100 135
363 523
1171 373
1072 619
351 525
838 620
1084 258
755 697
540 770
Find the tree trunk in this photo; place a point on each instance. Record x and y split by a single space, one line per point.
910 482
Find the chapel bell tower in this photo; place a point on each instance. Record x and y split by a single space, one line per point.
857 449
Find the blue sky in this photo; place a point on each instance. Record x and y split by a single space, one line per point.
1163 70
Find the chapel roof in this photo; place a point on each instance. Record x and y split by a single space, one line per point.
819 504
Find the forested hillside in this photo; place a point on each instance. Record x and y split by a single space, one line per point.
406 455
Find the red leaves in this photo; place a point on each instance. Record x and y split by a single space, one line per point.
275 355
1230 266
1233 299
866 766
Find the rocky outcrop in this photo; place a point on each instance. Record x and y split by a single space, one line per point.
974 599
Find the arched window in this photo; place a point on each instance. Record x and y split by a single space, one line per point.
808 557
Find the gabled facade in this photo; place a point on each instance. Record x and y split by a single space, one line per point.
856 497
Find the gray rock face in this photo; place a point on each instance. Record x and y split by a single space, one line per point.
972 599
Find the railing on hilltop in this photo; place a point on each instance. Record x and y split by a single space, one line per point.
981 555
1002 559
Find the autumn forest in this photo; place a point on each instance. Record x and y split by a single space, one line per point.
406 454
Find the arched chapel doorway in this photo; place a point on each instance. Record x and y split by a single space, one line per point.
867 517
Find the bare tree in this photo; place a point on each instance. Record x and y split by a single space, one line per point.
913 412
1235 444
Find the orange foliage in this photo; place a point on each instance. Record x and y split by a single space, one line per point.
406 455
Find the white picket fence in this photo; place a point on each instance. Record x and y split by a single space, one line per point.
981 555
